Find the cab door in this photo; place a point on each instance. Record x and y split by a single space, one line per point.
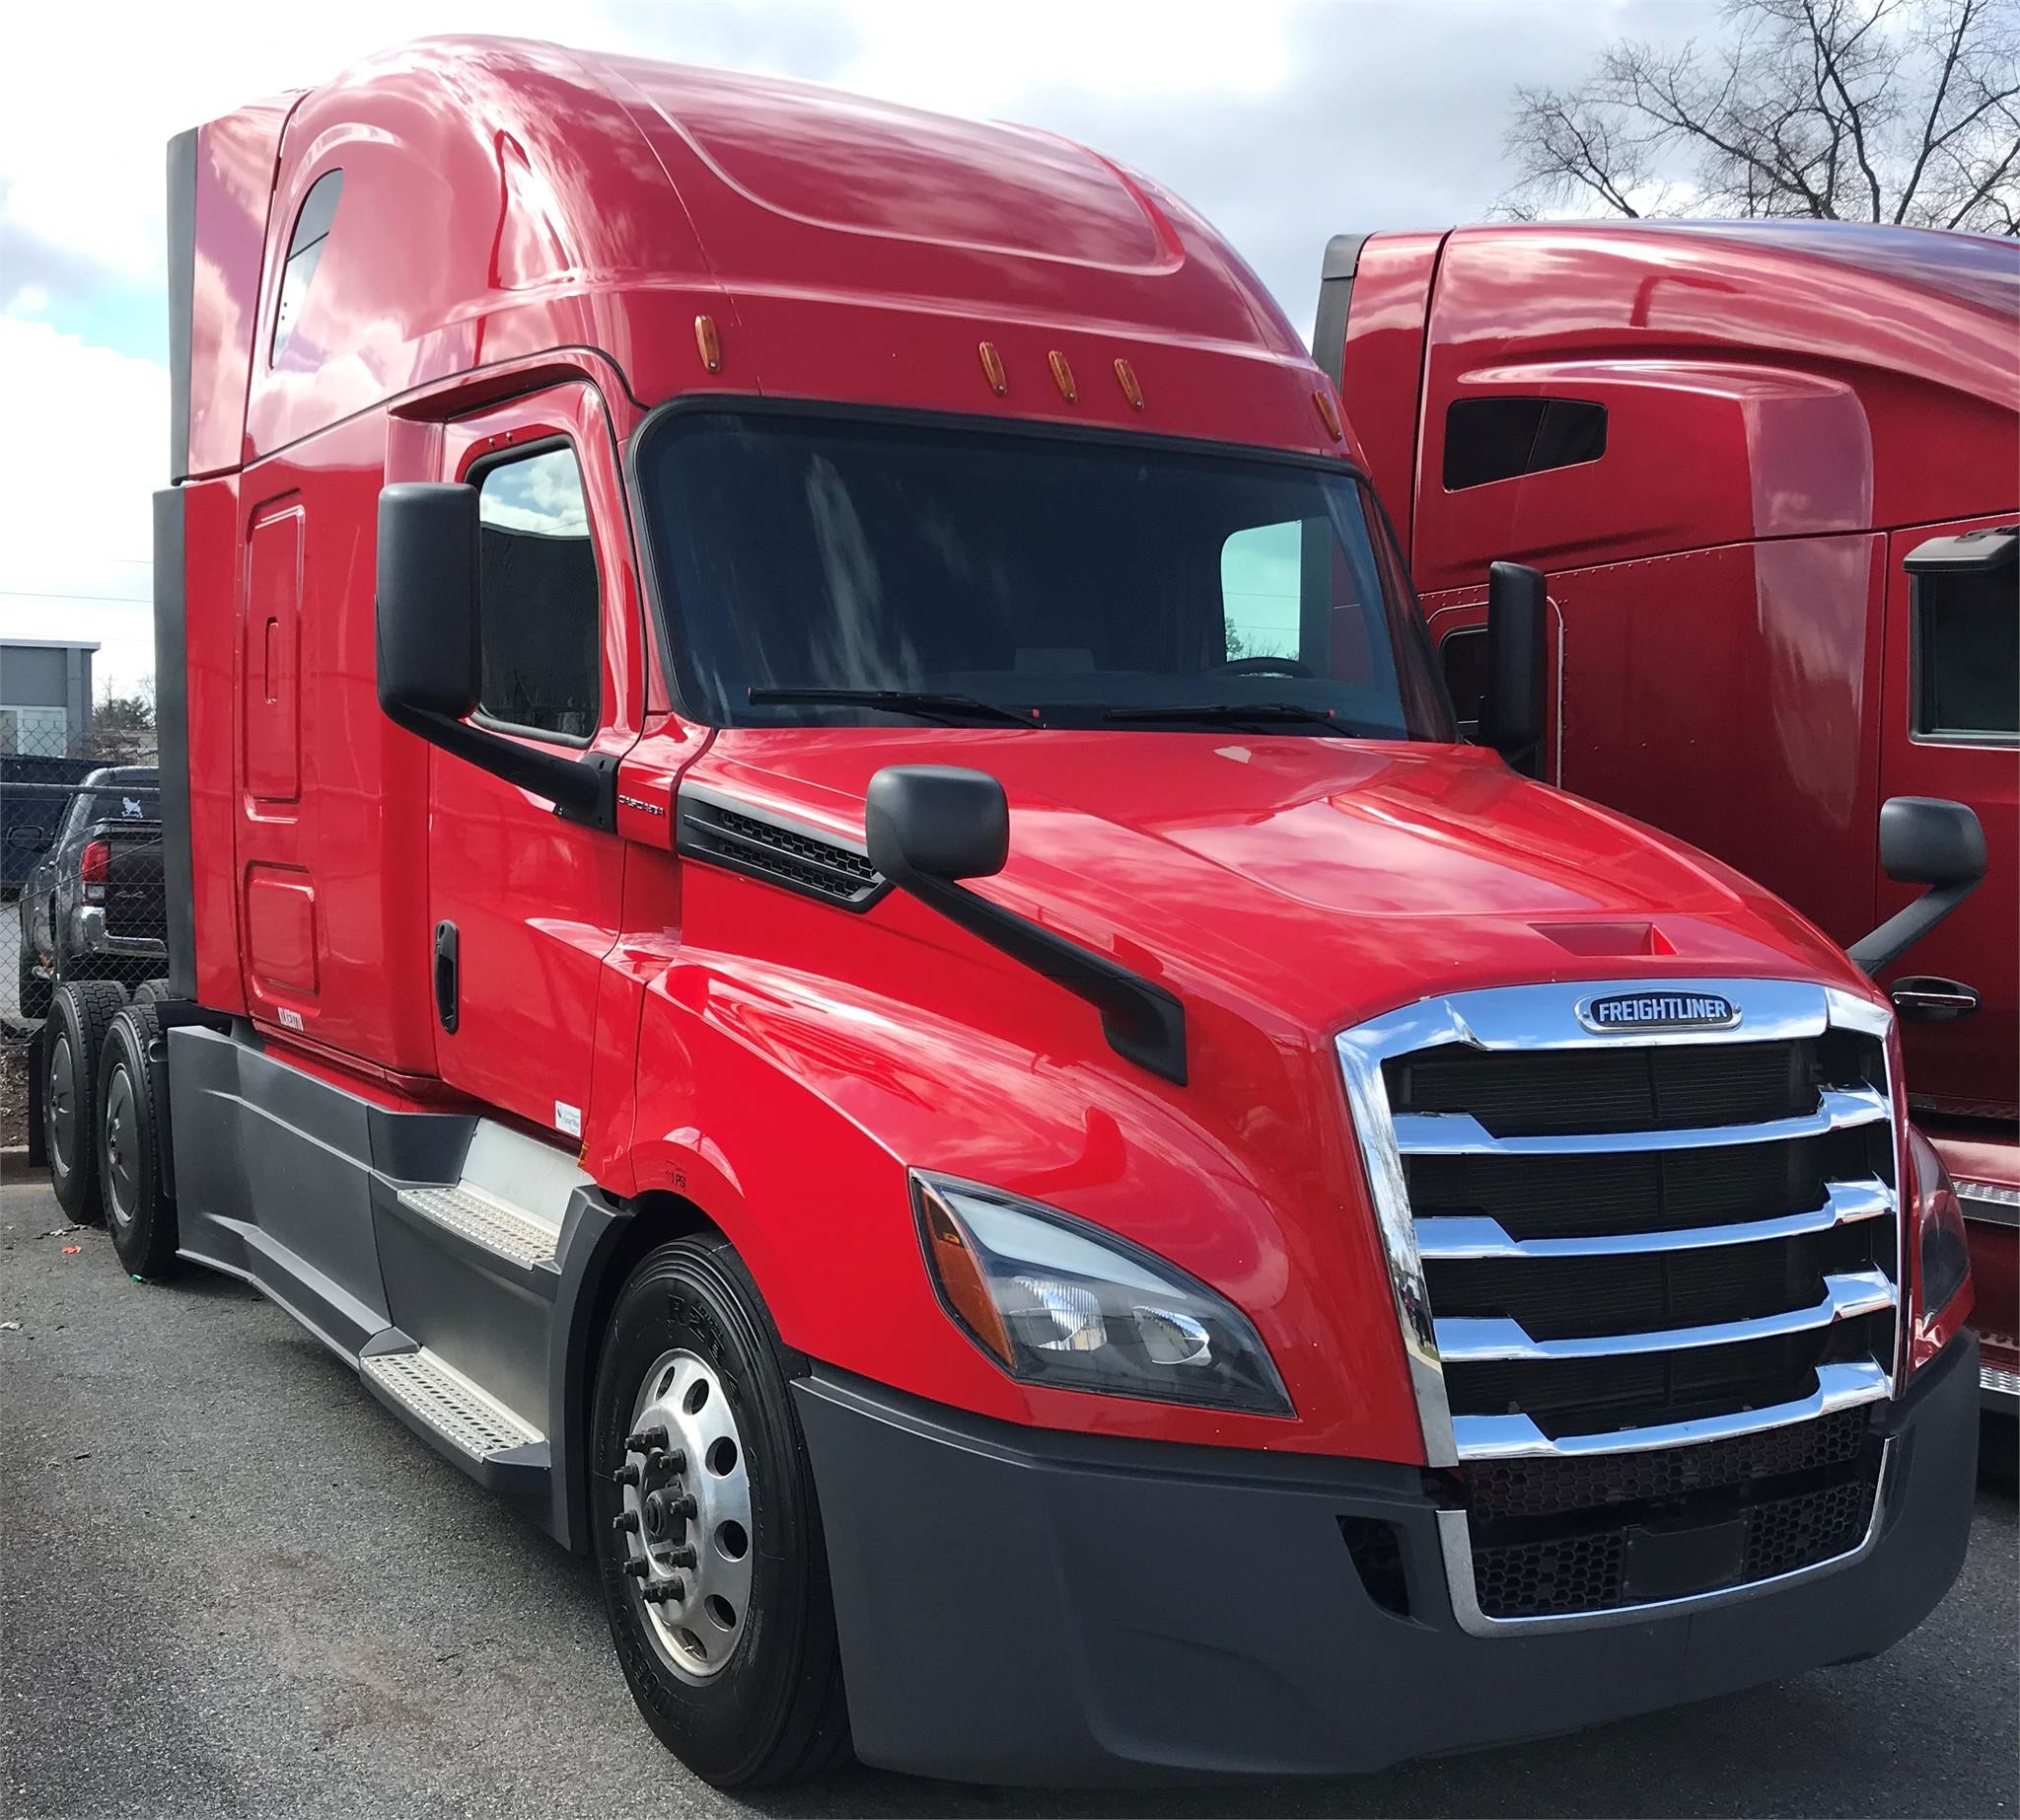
524 905
1952 728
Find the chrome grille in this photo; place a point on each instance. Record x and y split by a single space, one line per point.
1607 1243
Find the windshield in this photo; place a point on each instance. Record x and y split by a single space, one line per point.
1067 580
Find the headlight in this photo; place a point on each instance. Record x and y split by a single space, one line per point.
1056 1302
1943 1253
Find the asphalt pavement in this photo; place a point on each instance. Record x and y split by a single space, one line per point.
231 1583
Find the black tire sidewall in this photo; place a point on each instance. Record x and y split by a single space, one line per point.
751 1721
78 1017
146 1245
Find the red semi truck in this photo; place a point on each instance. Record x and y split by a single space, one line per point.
826 915
1772 471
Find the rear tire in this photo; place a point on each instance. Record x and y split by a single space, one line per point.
150 991
80 1014
130 1139
759 1700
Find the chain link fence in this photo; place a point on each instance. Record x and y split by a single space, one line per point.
81 885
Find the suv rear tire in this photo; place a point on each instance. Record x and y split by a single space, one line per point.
741 1674
130 1136
80 1014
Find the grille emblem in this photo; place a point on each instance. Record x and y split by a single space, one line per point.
1645 1011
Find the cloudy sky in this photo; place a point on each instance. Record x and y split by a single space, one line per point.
1284 120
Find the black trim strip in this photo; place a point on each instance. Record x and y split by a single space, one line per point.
1336 296
181 294
172 740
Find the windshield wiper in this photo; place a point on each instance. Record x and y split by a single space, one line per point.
1234 714
926 704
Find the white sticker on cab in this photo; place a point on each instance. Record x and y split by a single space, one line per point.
568 1119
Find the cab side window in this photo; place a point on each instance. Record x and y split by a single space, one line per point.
538 598
1967 657
1497 439
305 254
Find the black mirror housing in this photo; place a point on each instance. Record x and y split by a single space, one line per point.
1930 840
1923 841
936 821
429 666
1512 714
427 617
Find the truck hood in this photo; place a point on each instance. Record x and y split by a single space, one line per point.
1329 879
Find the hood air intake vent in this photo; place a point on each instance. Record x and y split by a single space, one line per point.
767 847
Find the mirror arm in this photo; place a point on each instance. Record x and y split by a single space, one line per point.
1142 1021
1873 954
582 789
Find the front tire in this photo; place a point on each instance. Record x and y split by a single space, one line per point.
80 1014
131 1136
708 1538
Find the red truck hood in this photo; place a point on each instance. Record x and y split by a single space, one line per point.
1326 879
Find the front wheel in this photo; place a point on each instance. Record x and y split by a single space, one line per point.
706 1530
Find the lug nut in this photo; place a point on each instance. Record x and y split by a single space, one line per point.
627 1473
624 1523
645 1440
637 1569
679 1557
680 1508
664 1590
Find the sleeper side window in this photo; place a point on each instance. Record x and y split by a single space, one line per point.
538 598
1967 657
1463 656
1497 439
304 254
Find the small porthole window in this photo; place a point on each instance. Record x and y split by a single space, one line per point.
1497 439
304 254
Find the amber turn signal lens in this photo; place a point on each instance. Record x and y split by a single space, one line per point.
992 368
709 342
1126 377
1063 375
1328 413
961 1278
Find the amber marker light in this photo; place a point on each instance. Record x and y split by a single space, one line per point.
1126 377
960 1277
1328 413
992 368
1063 375
709 342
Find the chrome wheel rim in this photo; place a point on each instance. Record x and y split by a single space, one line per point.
685 1525
122 1150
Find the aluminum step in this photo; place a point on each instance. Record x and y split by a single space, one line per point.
484 1219
466 1417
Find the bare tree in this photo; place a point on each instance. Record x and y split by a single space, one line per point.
1890 111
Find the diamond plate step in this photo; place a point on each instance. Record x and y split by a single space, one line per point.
484 1220
466 1416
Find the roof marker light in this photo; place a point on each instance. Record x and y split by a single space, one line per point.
992 368
709 342
1126 377
1063 375
1328 413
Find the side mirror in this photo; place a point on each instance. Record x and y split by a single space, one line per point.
1923 841
930 826
428 599
430 672
1511 716
938 822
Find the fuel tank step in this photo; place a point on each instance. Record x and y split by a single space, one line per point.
451 1409
484 1219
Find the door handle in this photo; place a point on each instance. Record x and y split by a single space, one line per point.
445 976
1922 998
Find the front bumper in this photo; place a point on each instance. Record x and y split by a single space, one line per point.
1032 1607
